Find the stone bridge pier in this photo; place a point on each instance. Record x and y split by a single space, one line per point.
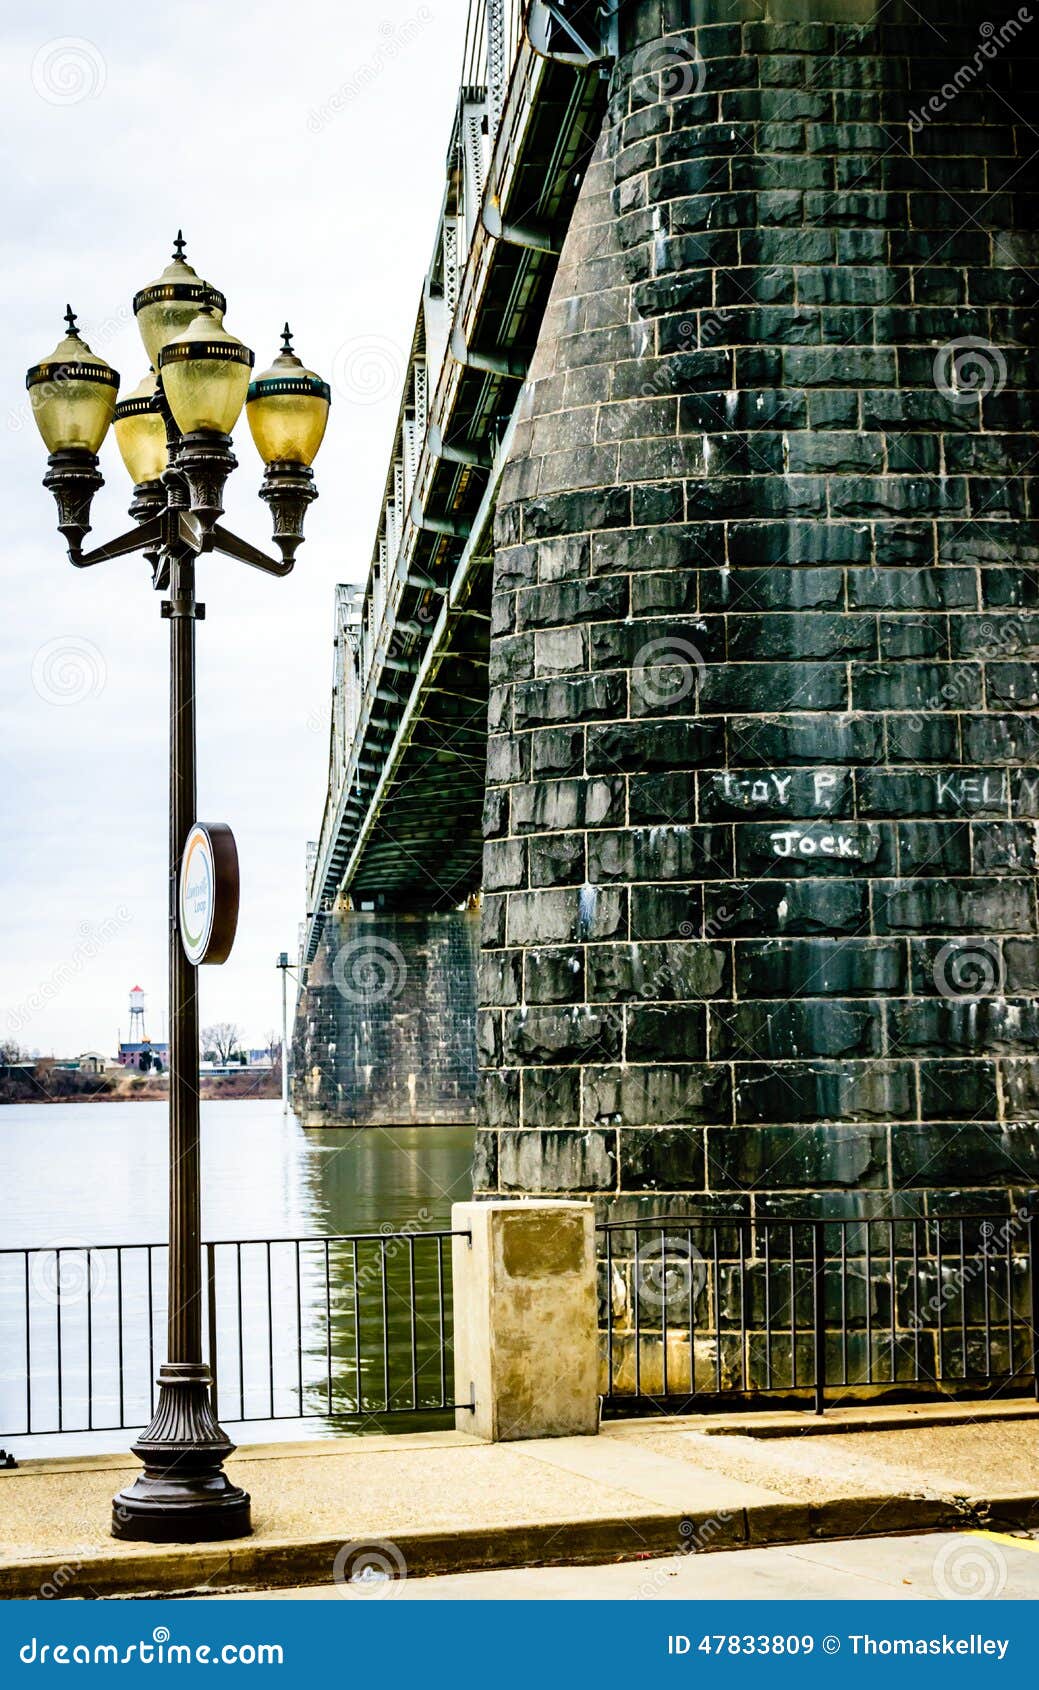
759 875
385 1029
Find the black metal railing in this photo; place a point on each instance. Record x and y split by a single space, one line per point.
698 1309
695 1310
338 1328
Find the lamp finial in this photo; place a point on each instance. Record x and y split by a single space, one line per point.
178 246
70 319
286 339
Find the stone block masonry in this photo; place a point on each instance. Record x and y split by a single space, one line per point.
386 1031
759 922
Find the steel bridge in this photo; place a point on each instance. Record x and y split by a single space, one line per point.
402 819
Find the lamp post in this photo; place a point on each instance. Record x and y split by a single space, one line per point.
173 434
283 964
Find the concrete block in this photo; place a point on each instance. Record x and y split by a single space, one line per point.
526 1344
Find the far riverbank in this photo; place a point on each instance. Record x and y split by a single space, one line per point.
128 1086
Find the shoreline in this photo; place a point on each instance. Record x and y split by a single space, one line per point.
230 1088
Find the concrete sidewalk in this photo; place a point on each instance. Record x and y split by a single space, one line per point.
445 1503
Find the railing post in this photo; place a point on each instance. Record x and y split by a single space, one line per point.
819 1311
1032 1203
211 1317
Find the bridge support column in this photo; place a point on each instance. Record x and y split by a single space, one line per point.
760 912
524 1297
385 1031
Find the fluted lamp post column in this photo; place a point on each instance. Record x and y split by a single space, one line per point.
174 436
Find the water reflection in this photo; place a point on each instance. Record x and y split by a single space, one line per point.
95 1174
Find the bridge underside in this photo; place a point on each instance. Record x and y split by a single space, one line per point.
424 844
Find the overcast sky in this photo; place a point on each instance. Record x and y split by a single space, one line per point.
301 148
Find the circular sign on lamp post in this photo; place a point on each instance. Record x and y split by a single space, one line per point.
208 900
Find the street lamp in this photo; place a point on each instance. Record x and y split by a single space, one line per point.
283 964
173 433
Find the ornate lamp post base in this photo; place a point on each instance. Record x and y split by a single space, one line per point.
183 1495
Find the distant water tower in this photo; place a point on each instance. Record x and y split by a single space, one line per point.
137 1032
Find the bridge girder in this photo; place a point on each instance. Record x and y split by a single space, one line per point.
403 813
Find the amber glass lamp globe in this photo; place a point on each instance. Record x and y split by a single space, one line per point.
205 375
140 432
166 306
287 409
72 394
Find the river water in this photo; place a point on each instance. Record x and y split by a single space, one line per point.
95 1174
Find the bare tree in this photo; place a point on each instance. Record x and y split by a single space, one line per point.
222 1038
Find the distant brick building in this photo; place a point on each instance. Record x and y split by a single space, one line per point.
157 1054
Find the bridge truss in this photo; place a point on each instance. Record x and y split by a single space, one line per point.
402 819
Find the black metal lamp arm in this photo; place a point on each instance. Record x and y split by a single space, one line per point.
179 514
154 534
139 539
